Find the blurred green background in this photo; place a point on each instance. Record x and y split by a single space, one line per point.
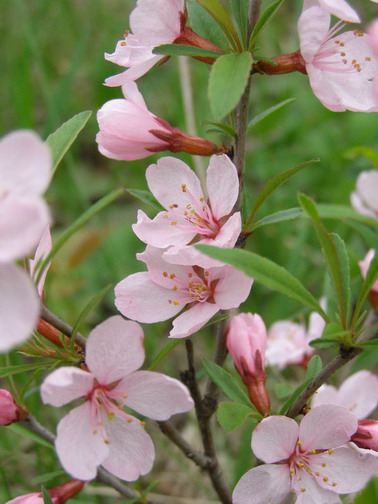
53 68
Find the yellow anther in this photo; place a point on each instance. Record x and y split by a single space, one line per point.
202 199
342 44
171 206
301 465
313 452
330 451
123 43
343 53
106 441
110 415
324 465
334 484
299 443
173 223
183 187
303 490
165 274
129 420
292 471
174 288
325 479
367 58
354 62
317 473
172 276
143 424
170 301
207 273
188 207
190 275
175 302
165 216
124 396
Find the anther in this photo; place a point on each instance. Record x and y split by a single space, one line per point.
324 465
330 451
106 441
334 484
173 223
165 274
172 276
325 479
175 302
129 420
299 443
124 396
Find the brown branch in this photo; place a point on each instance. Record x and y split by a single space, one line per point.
62 326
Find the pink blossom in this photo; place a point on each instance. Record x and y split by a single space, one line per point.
59 494
311 459
358 393
8 408
153 23
165 289
188 217
340 67
288 342
128 130
365 265
364 200
99 432
366 436
246 342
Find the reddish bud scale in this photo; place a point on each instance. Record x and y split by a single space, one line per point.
285 63
373 298
66 491
366 436
189 37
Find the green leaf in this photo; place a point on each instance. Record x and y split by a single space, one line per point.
146 197
314 367
336 257
46 496
203 24
367 344
323 342
263 19
240 10
268 112
216 10
265 271
62 139
22 368
344 212
371 278
283 390
232 415
79 223
185 50
225 128
367 152
370 236
226 383
285 408
43 478
281 216
20 430
164 352
228 79
369 495
273 184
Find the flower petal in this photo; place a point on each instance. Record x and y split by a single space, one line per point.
340 9
131 449
233 287
191 320
309 492
326 394
326 426
80 448
367 189
275 438
359 393
153 395
114 349
19 306
313 26
65 385
222 185
262 485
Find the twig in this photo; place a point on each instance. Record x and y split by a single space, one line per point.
62 326
219 357
204 420
344 356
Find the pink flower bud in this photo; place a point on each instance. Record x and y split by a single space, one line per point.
59 494
246 342
364 267
8 408
366 435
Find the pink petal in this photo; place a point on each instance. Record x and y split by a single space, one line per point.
262 485
65 385
287 344
359 393
19 307
139 298
114 349
367 189
326 394
360 206
229 232
80 447
191 320
133 73
25 164
222 185
313 26
326 426
232 289
154 395
340 9
309 492
133 95
32 498
275 438
166 178
22 222
131 449
346 467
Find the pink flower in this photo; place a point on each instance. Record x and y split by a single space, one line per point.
165 289
99 432
288 342
364 200
246 342
8 408
59 494
312 460
365 265
340 68
358 393
366 436
128 130
188 217
153 23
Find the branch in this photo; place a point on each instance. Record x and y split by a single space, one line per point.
344 356
61 326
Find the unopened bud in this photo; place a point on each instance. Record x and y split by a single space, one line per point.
285 63
366 435
191 38
9 411
59 494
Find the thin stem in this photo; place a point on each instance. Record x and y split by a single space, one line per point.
219 357
62 326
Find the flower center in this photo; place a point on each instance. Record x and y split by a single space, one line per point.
196 287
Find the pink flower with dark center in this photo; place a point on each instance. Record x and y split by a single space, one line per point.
340 67
189 217
100 432
311 459
364 200
163 292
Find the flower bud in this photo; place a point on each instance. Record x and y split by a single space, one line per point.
366 435
9 411
283 64
246 342
59 494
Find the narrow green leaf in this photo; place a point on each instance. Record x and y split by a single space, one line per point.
224 127
369 235
314 367
335 255
164 352
293 397
20 430
240 10
46 496
268 112
367 152
281 216
228 79
273 184
283 390
344 212
79 223
62 139
43 478
263 20
146 197
265 271
367 344
22 368
217 11
203 24
324 342
185 50
226 383
232 415
371 278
